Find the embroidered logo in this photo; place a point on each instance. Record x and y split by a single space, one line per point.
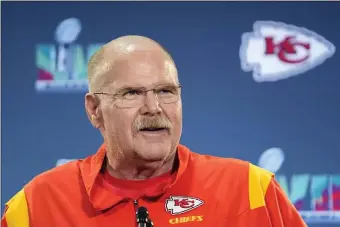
181 204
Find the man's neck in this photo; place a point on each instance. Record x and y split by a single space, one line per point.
139 170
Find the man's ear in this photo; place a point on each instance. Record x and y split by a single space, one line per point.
93 110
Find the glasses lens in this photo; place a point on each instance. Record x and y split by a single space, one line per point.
126 103
168 99
164 95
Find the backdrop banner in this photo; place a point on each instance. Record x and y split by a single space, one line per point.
260 83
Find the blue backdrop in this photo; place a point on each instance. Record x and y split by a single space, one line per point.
226 111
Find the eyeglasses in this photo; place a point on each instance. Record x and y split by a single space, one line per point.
129 97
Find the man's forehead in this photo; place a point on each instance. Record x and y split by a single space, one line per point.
143 80
145 69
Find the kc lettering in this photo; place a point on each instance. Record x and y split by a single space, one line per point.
286 47
184 203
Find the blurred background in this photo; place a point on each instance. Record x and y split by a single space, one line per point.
261 82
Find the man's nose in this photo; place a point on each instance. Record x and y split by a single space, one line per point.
151 104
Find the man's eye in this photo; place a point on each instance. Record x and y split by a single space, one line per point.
131 93
165 91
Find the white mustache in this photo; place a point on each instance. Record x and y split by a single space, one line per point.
154 122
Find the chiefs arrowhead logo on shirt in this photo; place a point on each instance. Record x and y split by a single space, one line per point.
181 204
275 51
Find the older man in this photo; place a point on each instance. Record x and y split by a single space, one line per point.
141 175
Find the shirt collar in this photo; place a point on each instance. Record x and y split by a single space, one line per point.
100 196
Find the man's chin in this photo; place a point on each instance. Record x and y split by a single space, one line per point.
153 152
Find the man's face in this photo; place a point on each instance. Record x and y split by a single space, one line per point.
123 120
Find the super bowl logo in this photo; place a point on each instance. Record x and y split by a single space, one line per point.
315 196
63 66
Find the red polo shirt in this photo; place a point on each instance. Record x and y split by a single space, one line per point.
205 191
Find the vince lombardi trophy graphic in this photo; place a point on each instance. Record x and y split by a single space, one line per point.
66 33
272 159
